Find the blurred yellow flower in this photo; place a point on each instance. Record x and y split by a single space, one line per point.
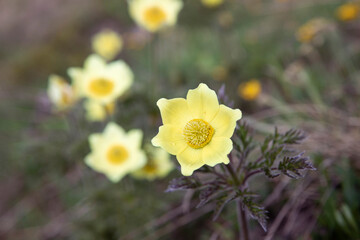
307 32
96 111
348 11
107 43
158 164
212 3
116 153
154 15
60 93
101 82
196 129
249 90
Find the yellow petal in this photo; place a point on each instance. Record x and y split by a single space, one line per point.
224 122
95 140
190 160
113 130
203 102
216 151
170 138
135 137
94 63
174 111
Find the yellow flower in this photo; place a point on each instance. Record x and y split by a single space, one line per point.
158 164
107 44
154 15
116 153
96 111
60 93
101 82
212 3
307 32
249 90
348 11
196 129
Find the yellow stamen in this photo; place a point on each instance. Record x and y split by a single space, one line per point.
101 87
150 168
117 154
198 133
155 16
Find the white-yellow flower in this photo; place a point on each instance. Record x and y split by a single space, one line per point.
158 164
196 129
116 153
107 43
212 3
96 111
60 93
154 15
100 81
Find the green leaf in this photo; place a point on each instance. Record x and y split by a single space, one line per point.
290 166
256 212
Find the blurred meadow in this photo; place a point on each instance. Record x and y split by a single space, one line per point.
284 63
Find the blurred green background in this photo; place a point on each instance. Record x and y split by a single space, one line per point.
47 192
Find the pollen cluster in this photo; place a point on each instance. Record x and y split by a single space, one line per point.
198 133
117 154
101 87
155 16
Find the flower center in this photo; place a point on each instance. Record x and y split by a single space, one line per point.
154 16
117 154
198 133
101 87
150 168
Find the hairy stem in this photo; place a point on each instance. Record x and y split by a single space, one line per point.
233 174
242 221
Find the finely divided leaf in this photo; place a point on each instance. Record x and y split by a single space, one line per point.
182 183
290 166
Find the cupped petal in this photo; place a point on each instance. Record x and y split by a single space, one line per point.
115 177
76 75
224 122
174 111
95 140
94 63
135 137
216 151
190 159
203 102
113 130
170 138
173 8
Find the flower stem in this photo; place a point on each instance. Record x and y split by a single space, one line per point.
233 174
243 226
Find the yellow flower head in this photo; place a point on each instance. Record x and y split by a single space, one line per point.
249 90
307 32
158 164
96 111
212 3
101 82
154 15
348 11
60 93
196 129
116 153
107 44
